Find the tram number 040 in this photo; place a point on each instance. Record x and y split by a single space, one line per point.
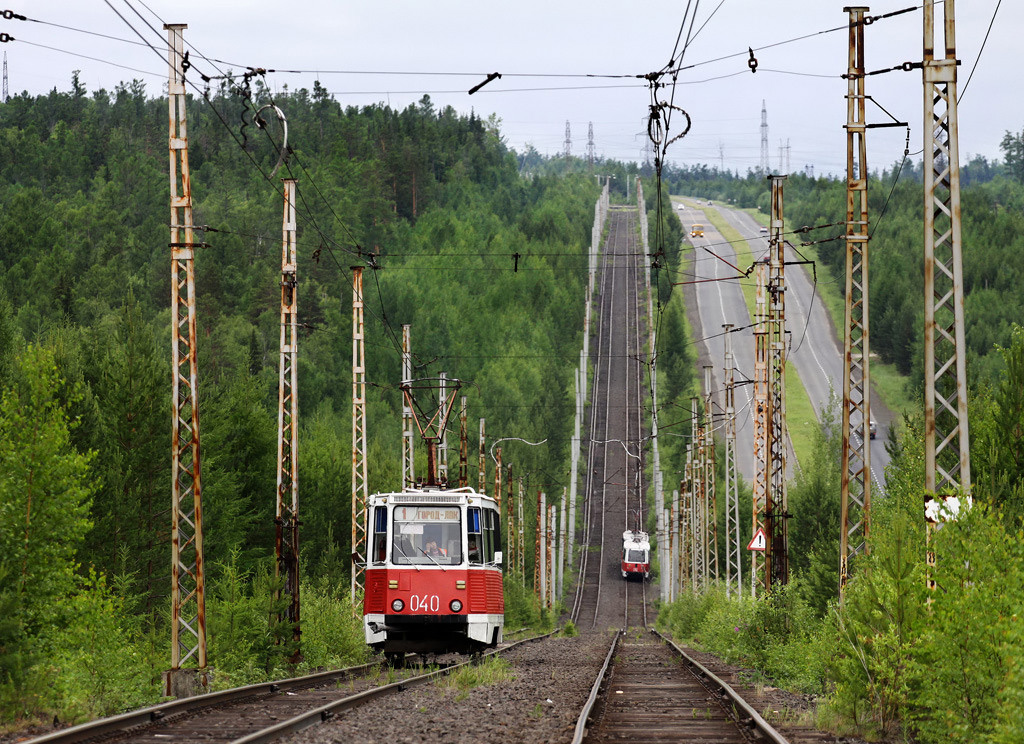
424 603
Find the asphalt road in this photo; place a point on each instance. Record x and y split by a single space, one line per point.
814 348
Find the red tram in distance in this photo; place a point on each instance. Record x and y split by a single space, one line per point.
636 555
433 576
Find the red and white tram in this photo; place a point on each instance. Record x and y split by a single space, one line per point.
636 555
433 578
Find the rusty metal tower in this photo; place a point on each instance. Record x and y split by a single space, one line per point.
442 446
408 450
777 505
481 482
286 515
700 500
497 481
733 547
463 445
947 457
510 536
760 485
360 482
710 494
188 589
856 447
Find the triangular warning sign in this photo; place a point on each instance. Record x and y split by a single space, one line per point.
758 543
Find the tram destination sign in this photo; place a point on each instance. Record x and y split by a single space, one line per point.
425 514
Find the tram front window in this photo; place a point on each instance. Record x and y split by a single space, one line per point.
426 535
635 556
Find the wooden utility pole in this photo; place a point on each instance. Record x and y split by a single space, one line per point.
855 477
360 482
286 516
188 586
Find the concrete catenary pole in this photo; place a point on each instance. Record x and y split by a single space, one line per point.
286 516
188 584
360 481
947 457
855 469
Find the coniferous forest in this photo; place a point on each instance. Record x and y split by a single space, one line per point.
484 252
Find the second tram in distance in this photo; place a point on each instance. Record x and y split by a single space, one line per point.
433 575
636 555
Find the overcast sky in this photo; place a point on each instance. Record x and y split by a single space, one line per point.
798 81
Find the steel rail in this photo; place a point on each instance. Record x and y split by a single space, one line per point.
165 711
581 723
764 728
328 711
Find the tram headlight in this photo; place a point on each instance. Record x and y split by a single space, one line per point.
397 605
456 605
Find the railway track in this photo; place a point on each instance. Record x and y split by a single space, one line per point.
614 485
650 685
258 713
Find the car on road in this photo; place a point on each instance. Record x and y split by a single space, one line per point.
872 428
764 230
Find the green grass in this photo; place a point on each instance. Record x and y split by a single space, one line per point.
801 419
490 671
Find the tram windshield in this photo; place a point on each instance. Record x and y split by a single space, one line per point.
636 556
427 535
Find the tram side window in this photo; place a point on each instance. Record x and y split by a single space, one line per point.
474 535
380 534
492 534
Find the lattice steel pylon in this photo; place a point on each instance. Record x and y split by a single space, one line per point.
733 546
700 503
765 165
5 94
286 515
497 481
947 457
591 149
408 433
442 446
463 444
568 141
481 480
710 493
777 505
760 484
855 478
360 482
188 586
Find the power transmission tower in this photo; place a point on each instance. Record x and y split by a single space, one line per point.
408 452
286 521
188 585
733 556
855 483
6 92
709 478
785 170
947 457
777 505
568 141
360 482
591 150
758 562
765 167
521 533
